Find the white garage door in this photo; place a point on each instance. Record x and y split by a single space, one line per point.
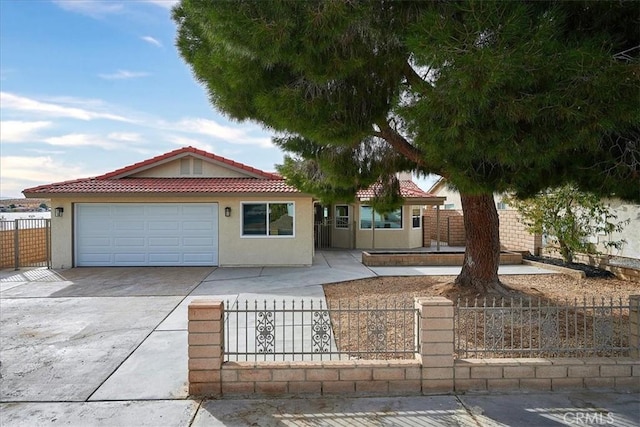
146 234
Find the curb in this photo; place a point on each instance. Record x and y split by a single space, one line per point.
577 274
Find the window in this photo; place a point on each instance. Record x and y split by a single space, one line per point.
501 205
449 206
267 219
415 217
342 216
387 220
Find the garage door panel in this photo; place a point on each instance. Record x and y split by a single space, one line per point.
103 258
197 241
198 259
163 225
165 210
131 258
173 258
121 225
95 242
146 234
127 209
159 242
198 210
129 242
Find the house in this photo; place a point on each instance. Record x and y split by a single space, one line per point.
189 207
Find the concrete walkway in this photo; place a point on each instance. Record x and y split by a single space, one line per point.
109 347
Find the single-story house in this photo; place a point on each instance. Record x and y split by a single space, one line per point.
189 207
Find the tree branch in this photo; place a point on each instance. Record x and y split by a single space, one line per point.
402 146
415 80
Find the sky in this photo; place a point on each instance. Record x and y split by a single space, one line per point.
90 86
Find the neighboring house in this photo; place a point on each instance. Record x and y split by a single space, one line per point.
188 208
514 235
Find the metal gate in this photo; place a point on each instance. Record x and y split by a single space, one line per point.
322 233
25 243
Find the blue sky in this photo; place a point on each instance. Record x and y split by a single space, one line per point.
89 86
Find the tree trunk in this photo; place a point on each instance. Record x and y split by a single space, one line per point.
482 254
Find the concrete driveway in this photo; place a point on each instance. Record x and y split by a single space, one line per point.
64 334
108 346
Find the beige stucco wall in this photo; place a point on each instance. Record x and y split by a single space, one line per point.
233 249
388 238
630 233
172 170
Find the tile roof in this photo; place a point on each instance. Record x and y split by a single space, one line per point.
128 170
165 185
408 190
257 181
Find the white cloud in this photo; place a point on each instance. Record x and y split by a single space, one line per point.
82 140
21 131
152 41
232 135
18 173
123 75
125 136
167 4
92 8
113 141
11 101
183 141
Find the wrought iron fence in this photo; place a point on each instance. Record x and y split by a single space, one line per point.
25 243
537 328
314 330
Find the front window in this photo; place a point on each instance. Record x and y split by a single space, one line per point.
415 217
388 220
267 219
342 216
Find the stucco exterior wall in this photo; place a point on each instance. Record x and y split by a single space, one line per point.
388 238
630 233
172 170
234 250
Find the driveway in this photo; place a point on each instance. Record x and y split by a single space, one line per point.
64 334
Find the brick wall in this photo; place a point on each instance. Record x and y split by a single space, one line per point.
513 234
434 369
451 226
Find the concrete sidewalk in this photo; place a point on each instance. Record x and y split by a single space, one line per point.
109 347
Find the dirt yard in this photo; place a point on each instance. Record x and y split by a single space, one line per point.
553 287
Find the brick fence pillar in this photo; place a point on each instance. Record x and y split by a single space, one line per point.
206 347
435 334
634 326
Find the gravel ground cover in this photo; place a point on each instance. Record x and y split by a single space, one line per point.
354 332
554 287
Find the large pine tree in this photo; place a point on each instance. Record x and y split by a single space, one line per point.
494 96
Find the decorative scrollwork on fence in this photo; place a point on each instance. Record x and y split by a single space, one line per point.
603 334
494 329
549 328
265 332
321 336
377 330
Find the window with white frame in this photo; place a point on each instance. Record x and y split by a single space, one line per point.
389 220
416 217
268 219
342 216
